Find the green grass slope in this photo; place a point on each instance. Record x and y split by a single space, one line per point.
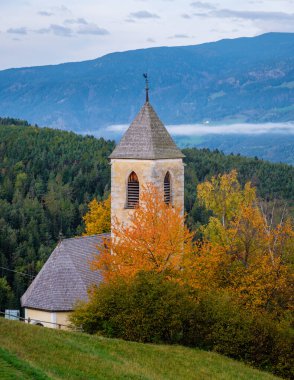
12 368
31 352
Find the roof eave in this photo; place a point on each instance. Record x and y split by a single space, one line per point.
54 310
129 157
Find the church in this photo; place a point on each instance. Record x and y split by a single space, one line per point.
145 154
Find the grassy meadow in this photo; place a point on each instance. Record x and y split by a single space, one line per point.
32 352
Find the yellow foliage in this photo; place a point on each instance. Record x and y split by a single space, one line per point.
224 196
205 266
97 219
241 251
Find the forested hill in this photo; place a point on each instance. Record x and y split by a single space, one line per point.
243 79
48 176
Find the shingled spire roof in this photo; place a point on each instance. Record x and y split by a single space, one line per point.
146 139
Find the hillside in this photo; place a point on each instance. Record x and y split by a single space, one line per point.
52 354
273 147
47 178
244 79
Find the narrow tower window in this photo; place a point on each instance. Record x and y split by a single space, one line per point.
167 189
133 191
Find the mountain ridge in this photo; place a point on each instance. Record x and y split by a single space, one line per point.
247 79
223 40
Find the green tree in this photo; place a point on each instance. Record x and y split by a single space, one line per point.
5 294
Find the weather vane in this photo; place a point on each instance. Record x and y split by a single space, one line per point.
145 75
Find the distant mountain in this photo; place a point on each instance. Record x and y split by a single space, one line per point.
271 147
244 79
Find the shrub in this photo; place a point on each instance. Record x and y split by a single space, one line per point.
220 324
148 309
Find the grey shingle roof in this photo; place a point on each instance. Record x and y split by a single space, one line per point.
65 276
146 138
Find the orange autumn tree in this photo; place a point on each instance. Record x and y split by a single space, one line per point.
97 219
241 251
156 240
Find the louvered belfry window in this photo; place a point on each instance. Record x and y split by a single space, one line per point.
133 191
167 189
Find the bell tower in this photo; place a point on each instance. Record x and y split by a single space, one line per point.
146 153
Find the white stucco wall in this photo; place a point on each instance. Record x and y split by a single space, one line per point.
47 318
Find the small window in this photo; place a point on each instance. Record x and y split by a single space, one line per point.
167 189
133 191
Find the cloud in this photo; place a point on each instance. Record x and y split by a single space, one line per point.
250 129
60 30
45 13
21 30
42 31
57 30
121 128
201 5
254 15
62 9
78 21
207 129
266 21
179 36
92 29
197 14
82 27
143 15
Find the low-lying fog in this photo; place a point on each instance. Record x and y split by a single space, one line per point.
207 129
269 141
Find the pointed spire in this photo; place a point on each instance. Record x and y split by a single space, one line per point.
146 139
145 75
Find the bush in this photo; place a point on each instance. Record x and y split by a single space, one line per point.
220 324
153 309
148 309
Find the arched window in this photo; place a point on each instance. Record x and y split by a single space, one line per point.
167 189
133 191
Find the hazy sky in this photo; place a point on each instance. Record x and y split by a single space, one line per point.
38 32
